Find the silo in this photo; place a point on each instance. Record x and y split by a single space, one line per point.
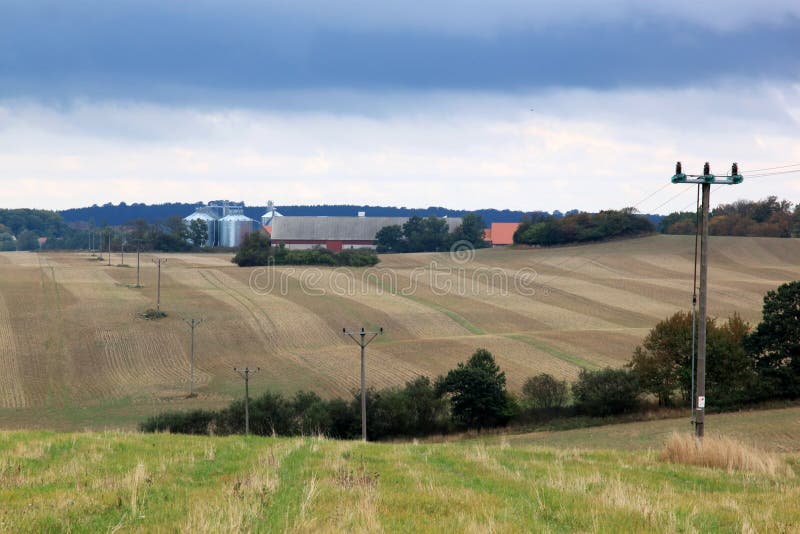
233 228
205 215
266 219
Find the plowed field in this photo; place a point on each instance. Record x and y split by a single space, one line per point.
75 354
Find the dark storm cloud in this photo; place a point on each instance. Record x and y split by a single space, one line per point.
152 51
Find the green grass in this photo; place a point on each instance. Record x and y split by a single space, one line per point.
122 481
459 319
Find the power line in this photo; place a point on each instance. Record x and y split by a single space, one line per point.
705 180
245 373
652 194
159 261
193 323
776 173
697 214
363 338
687 206
773 168
749 176
670 199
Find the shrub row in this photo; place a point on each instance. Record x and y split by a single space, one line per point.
420 408
413 410
323 256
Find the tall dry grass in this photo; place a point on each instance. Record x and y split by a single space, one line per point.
136 482
723 453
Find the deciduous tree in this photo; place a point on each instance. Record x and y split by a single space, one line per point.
477 392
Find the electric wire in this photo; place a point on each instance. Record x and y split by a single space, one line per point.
697 222
648 197
748 175
670 199
773 168
776 173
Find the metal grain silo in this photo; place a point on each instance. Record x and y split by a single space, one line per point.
233 228
203 214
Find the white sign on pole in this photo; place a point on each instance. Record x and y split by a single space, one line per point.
701 403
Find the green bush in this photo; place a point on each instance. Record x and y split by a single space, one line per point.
193 422
413 410
545 392
606 392
256 250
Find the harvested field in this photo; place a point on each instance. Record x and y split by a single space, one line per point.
71 342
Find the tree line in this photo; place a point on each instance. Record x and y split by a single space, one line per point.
769 217
431 234
544 230
119 214
20 229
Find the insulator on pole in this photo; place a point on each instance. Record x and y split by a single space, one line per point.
734 169
706 169
678 168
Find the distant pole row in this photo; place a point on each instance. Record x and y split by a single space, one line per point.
362 337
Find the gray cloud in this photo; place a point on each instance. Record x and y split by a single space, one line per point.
205 50
580 149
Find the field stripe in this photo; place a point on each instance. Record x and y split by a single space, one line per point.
553 351
11 393
458 319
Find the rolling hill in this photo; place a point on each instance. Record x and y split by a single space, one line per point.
74 354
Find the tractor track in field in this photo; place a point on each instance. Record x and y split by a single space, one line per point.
61 369
256 313
259 318
12 394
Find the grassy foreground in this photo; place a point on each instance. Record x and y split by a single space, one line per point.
134 482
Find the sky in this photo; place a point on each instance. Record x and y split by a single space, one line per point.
571 104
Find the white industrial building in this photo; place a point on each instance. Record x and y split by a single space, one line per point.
335 233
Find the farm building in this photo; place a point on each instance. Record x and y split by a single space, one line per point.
226 223
334 233
500 234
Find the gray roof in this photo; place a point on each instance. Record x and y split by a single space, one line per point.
337 228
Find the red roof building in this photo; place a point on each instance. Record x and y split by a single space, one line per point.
500 234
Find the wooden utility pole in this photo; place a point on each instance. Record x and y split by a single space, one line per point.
705 180
245 373
192 322
363 338
138 246
159 261
109 248
699 419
